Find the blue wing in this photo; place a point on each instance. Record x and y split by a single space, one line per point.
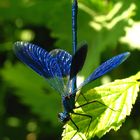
48 65
106 67
63 59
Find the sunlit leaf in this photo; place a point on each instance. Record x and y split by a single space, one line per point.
104 31
132 36
115 102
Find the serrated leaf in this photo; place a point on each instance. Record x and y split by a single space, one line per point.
115 102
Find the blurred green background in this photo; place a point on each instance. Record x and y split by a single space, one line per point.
28 105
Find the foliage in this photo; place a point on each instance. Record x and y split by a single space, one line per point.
109 106
28 106
33 92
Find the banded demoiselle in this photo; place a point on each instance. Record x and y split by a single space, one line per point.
57 65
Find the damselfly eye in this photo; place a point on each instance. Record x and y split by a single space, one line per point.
64 117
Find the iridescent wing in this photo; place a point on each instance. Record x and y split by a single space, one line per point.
106 67
64 59
51 65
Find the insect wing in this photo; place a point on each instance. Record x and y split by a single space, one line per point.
78 60
42 62
64 61
106 67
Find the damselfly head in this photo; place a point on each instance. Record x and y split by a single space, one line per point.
64 117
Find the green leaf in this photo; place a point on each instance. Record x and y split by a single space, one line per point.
110 104
100 24
104 31
132 36
33 91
